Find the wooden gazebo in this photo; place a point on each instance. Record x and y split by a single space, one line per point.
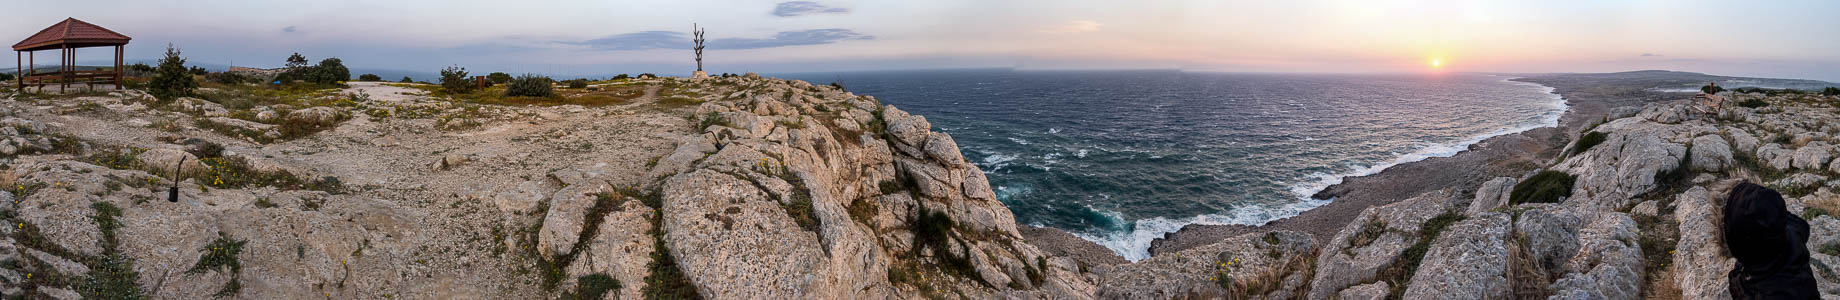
66 37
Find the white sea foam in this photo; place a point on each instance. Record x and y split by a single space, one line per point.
1134 244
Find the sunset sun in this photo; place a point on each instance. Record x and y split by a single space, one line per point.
1437 63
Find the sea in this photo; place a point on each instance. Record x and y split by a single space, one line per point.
1123 157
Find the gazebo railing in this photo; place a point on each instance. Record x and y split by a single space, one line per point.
91 77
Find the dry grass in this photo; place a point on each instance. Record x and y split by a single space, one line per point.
495 95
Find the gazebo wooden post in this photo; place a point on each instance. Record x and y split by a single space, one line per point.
18 59
118 67
64 68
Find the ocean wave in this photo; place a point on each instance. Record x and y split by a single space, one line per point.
1134 243
1550 118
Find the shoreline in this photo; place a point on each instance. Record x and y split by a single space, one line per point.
1504 155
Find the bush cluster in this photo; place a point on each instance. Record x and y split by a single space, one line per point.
329 71
529 85
454 80
1590 139
498 78
578 83
1753 103
1830 91
621 76
370 77
1546 187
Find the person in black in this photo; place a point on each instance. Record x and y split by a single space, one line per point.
1770 244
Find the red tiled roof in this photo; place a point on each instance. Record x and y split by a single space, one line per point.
73 32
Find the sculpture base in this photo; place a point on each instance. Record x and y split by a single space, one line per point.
699 75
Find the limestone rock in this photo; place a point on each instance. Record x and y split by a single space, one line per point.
1775 156
1710 154
562 225
1551 233
1465 262
621 248
1247 258
1742 140
1607 265
1372 291
1490 195
164 160
1813 156
734 242
318 115
1356 253
520 199
1700 260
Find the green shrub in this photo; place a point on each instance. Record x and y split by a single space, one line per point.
621 76
6 77
498 78
329 71
221 255
1546 187
172 79
711 119
529 85
1830 91
1753 103
370 77
1813 212
1590 139
406 80
455 81
578 84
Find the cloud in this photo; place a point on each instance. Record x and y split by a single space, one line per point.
1076 26
289 29
642 40
1650 55
801 8
678 40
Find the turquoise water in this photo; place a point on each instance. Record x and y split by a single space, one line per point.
1123 157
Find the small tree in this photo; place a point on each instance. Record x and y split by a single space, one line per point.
370 77
171 79
406 80
621 76
528 85
498 77
1830 91
199 70
454 80
578 84
6 77
296 61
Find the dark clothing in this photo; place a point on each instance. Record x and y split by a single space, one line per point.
1771 245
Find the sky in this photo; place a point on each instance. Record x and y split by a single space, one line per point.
1784 39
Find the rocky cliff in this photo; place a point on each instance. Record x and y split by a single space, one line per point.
749 187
